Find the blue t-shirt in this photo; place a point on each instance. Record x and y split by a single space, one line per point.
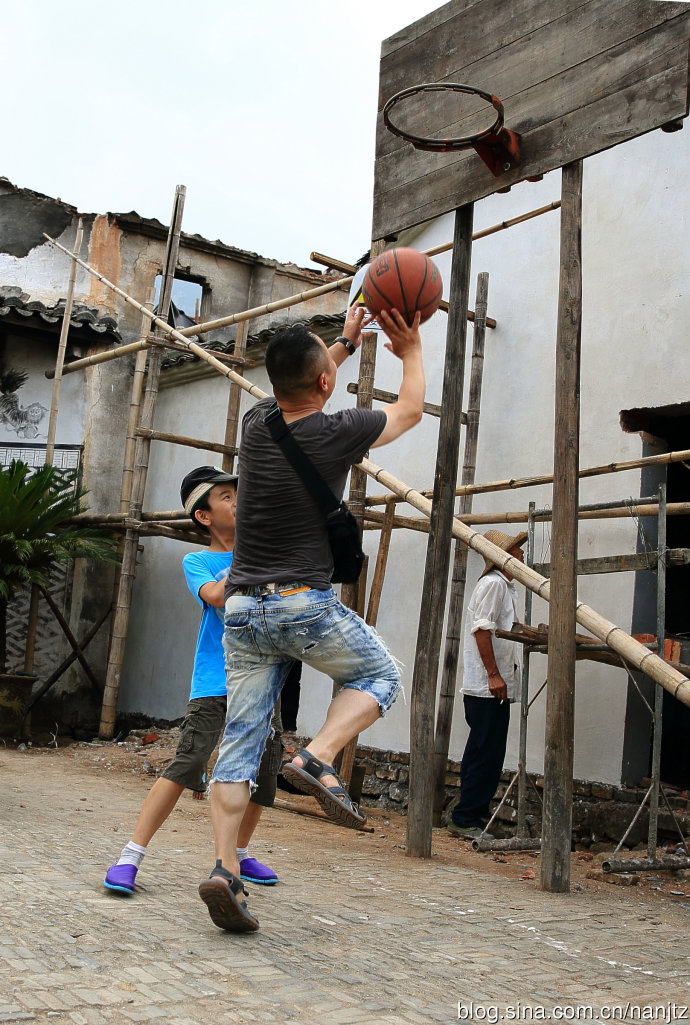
208 677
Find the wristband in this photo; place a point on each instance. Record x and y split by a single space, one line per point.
350 346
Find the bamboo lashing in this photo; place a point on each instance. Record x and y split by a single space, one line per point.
616 638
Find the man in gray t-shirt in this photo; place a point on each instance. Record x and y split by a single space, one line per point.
280 607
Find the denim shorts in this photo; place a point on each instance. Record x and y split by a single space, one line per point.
200 731
264 636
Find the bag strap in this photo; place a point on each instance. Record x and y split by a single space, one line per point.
301 463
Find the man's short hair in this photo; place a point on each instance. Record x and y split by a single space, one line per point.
294 360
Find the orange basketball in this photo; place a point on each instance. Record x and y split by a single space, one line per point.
405 279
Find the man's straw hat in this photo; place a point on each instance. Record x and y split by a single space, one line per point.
504 541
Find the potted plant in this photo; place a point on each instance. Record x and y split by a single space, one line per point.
36 507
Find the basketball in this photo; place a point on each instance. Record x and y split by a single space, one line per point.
405 279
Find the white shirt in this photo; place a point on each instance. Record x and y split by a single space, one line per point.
492 606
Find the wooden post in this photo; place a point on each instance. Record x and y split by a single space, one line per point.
419 817
349 594
234 399
381 562
62 346
134 411
141 460
560 700
446 703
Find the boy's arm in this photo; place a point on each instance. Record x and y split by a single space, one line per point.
203 586
212 593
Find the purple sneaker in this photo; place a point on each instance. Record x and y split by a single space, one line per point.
254 872
121 878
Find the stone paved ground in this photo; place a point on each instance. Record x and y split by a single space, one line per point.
354 933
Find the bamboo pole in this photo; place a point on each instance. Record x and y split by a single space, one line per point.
607 632
64 625
373 520
171 332
142 345
141 459
446 700
134 409
348 268
389 396
62 347
515 483
430 629
350 593
67 662
381 563
560 697
119 518
30 649
181 439
232 421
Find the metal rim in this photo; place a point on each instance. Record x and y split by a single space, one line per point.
442 145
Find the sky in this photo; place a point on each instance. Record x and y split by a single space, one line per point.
264 110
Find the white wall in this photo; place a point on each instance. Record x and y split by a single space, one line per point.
635 353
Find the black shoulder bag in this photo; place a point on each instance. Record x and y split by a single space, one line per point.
343 532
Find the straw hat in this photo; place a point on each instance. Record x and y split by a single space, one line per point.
504 541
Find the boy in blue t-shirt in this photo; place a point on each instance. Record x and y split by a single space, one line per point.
209 496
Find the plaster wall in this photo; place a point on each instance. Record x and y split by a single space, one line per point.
634 353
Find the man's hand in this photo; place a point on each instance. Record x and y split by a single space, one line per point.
403 338
497 687
357 318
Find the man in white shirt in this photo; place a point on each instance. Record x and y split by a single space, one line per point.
490 684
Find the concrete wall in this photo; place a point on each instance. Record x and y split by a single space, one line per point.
94 404
635 353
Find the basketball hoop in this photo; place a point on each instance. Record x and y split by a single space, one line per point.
498 147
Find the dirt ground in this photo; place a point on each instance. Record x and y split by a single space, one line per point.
145 754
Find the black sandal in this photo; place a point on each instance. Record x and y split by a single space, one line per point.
335 801
220 895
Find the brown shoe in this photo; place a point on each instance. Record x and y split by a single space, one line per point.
220 895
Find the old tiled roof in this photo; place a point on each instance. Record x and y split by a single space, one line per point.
321 323
14 302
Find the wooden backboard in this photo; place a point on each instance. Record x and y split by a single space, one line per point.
575 77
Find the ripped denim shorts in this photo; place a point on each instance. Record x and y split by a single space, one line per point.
264 635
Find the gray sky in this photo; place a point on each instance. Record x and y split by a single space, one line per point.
265 110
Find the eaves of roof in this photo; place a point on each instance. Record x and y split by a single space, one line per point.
15 303
325 325
151 227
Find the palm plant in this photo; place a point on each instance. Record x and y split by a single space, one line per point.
36 506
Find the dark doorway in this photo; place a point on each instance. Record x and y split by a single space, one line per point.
667 429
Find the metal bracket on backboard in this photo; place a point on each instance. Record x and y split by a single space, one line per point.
500 151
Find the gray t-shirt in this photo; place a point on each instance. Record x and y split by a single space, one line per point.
281 534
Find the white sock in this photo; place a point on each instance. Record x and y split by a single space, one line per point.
132 854
242 853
